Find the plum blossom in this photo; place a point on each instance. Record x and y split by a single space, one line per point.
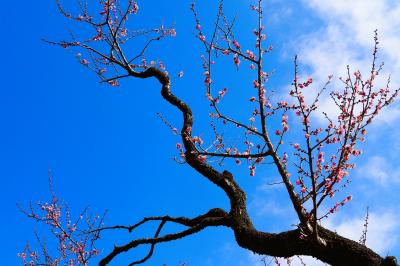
134 9
172 32
85 62
202 158
236 60
236 44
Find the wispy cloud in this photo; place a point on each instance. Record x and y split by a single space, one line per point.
378 170
266 207
346 38
347 31
382 235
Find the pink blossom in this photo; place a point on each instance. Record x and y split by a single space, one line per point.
207 81
254 8
357 74
236 60
22 255
250 54
285 158
364 132
134 9
84 62
99 35
285 128
285 123
259 159
320 159
270 48
113 83
202 158
252 170
341 130
172 32
283 103
124 32
197 139
236 44
256 84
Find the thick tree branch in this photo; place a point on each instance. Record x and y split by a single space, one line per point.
338 251
206 222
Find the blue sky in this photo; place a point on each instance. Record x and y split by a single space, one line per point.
108 150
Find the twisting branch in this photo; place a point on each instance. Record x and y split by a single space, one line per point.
151 247
209 221
178 220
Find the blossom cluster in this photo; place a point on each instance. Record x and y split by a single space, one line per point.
323 162
109 26
75 240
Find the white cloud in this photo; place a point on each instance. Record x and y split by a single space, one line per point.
349 29
346 38
388 116
382 233
267 212
378 170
